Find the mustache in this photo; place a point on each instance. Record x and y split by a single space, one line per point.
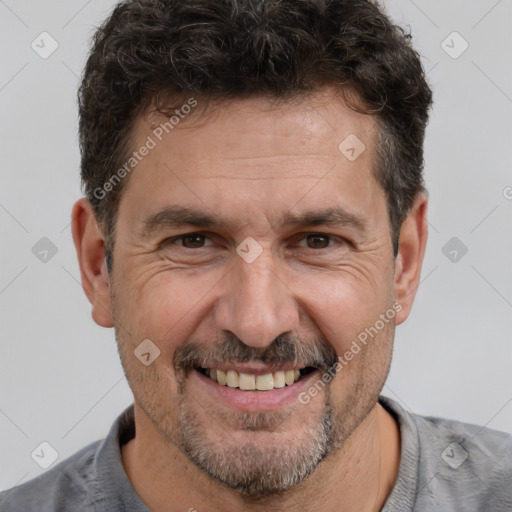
285 349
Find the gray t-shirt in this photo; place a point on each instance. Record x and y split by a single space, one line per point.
445 466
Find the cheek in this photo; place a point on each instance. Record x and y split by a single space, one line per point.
342 306
167 307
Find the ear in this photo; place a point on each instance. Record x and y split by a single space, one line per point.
411 250
90 250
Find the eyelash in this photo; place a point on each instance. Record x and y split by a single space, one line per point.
169 241
303 236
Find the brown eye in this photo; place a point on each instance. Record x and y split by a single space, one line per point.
193 241
318 241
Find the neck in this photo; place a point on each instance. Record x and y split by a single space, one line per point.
359 476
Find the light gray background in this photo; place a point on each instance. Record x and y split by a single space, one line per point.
60 377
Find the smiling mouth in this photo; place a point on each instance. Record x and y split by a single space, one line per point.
251 382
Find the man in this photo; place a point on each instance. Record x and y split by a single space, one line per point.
254 229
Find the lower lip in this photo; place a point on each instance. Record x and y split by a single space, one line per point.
255 401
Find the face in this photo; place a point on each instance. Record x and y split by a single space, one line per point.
250 249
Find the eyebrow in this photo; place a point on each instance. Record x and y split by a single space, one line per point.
177 216
329 217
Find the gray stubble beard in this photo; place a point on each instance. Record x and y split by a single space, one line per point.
250 470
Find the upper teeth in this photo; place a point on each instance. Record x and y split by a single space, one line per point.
248 382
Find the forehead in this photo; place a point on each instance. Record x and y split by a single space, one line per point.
244 154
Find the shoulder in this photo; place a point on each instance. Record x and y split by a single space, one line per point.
487 452
64 487
465 465
460 466
91 480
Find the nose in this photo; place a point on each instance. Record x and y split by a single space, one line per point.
256 304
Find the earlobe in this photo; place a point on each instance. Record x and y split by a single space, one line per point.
90 249
411 250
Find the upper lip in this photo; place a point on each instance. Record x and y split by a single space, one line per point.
251 368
